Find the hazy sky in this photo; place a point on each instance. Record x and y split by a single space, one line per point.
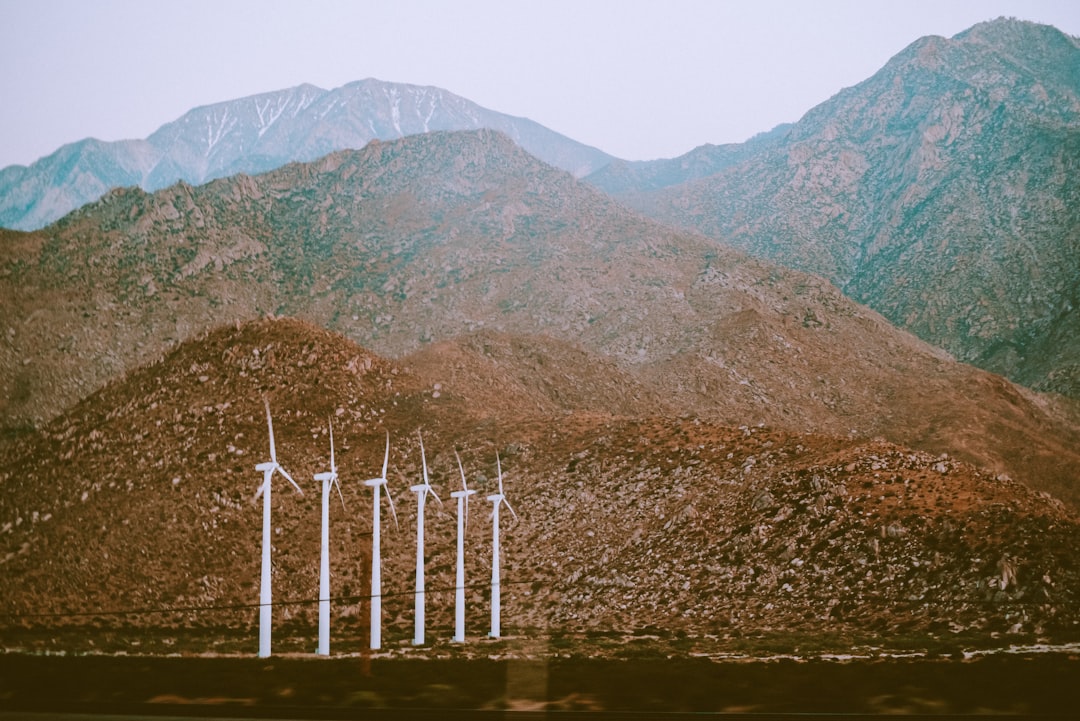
639 80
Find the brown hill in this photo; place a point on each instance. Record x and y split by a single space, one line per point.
404 244
534 375
141 497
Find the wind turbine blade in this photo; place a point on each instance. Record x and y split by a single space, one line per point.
259 492
510 507
498 463
386 458
335 482
432 492
333 465
270 425
290 479
464 486
391 500
423 458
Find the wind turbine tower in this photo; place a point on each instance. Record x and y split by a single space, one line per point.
421 490
462 497
328 478
497 499
265 592
376 567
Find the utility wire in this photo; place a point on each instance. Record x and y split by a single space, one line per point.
241 606
398 594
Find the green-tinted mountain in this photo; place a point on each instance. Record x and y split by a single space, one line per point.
943 192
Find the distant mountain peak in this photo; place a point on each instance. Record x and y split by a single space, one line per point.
941 191
261 132
1008 32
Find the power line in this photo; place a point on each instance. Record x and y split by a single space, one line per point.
239 606
444 589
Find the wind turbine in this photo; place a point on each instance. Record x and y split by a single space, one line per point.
462 497
421 490
376 566
265 592
328 478
497 499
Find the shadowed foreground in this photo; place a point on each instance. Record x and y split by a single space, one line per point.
1035 685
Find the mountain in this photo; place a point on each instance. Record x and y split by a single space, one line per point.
679 527
439 238
628 177
943 192
259 133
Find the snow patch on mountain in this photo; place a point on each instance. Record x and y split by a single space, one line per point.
259 133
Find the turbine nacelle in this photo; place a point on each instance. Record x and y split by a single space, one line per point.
269 467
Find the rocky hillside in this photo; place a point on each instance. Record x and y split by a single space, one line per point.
259 133
625 524
406 244
941 192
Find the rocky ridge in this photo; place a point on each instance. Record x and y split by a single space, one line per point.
940 192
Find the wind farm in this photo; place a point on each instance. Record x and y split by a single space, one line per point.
593 472
593 495
329 482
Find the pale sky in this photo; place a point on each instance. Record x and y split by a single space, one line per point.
639 80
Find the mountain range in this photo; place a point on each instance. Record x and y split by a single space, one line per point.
431 237
704 427
260 133
942 192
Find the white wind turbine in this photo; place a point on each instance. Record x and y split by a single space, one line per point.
265 592
376 564
421 490
462 497
328 478
497 499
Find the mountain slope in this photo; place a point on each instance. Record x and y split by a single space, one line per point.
259 133
406 244
625 524
941 192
